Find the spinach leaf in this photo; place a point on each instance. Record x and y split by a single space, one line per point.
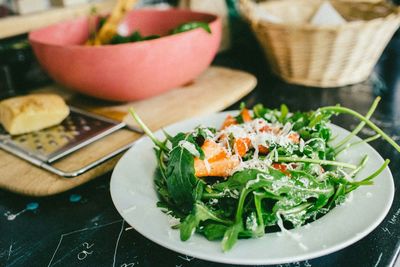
134 37
180 173
214 231
189 137
199 213
191 26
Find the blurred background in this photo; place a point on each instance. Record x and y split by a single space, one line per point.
19 70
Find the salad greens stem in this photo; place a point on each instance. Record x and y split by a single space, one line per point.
207 195
317 161
367 140
361 125
370 177
364 119
378 171
149 133
341 190
362 165
296 209
239 210
258 205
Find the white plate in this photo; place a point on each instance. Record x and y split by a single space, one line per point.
135 198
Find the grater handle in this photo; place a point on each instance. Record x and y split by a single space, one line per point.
84 169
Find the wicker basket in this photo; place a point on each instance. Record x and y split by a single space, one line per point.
323 56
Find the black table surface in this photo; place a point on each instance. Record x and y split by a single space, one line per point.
81 227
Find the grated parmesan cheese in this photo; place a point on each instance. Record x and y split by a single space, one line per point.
189 147
207 165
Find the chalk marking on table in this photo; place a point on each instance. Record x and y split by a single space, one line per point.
393 220
85 252
77 231
186 258
379 260
385 229
9 251
116 244
20 251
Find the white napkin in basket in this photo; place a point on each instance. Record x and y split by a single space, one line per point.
327 15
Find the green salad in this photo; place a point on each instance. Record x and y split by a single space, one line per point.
136 36
263 170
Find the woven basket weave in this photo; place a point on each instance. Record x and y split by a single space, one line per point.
323 56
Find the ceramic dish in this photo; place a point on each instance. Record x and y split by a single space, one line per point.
126 72
134 196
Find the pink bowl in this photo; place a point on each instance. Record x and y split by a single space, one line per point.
128 71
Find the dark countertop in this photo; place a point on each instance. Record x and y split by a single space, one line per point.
82 228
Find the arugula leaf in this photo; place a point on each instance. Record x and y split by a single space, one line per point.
255 221
231 236
241 179
259 111
284 113
198 190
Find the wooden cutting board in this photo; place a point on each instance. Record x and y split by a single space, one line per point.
214 90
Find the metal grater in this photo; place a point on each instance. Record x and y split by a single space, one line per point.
79 129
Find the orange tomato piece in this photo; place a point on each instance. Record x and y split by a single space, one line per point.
263 150
228 122
222 167
266 128
294 137
280 167
246 115
217 157
211 148
219 164
322 169
242 145
269 129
